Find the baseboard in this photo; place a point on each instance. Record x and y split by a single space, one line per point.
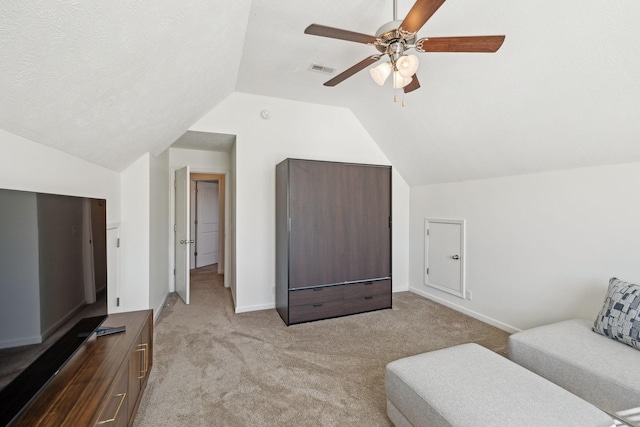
158 310
400 288
249 308
486 319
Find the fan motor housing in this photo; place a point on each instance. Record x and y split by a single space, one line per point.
388 36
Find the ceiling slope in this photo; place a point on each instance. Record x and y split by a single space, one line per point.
562 91
107 81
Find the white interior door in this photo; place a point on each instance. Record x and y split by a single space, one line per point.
192 223
208 217
444 255
182 235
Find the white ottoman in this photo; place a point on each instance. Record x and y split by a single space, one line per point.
468 385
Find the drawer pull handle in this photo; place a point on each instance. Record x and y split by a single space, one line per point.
368 297
368 283
144 365
110 420
317 305
317 289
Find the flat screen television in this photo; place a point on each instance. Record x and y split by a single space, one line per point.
53 282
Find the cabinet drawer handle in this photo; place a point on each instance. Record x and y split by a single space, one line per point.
317 289
145 359
368 283
368 297
110 420
317 305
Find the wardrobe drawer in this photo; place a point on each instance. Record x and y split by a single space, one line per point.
316 295
321 310
367 303
366 289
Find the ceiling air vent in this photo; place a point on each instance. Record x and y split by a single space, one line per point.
321 69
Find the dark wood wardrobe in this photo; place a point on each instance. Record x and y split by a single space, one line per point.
333 239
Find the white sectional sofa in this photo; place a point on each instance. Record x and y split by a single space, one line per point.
598 369
571 373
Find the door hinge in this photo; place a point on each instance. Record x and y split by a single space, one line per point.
195 254
289 224
427 231
427 271
174 271
175 227
118 302
118 242
389 222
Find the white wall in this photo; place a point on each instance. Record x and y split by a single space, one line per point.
134 241
160 266
540 247
295 130
26 165
231 250
200 160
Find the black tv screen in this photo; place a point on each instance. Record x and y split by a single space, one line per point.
53 282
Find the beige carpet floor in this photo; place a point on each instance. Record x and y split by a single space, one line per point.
216 368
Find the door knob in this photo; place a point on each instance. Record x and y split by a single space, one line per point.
455 257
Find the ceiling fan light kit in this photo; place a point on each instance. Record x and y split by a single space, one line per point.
379 73
394 38
400 82
407 65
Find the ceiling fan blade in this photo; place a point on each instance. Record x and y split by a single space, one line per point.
460 44
419 14
351 71
415 84
337 33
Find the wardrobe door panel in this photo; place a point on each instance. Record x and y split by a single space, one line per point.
316 254
366 244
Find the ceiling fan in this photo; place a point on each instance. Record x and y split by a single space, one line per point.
394 38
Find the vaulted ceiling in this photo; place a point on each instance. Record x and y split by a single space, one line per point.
110 80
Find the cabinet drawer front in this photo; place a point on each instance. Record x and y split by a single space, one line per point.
367 303
116 409
366 289
315 295
305 313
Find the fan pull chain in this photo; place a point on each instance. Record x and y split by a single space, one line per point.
395 91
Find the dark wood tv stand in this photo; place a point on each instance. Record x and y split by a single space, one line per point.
102 384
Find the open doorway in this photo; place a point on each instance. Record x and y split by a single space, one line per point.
208 157
207 220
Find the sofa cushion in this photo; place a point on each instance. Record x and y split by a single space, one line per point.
600 370
620 315
469 385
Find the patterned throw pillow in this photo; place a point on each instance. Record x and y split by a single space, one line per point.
620 315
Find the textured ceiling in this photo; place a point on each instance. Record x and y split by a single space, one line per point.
110 80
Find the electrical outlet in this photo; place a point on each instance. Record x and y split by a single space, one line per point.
469 295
